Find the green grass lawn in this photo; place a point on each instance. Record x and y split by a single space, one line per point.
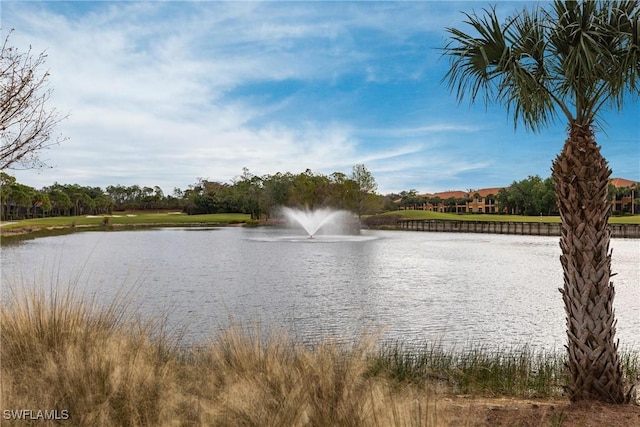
635 219
131 218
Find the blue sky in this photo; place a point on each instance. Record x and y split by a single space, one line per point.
162 93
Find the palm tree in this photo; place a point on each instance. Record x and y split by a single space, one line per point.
567 59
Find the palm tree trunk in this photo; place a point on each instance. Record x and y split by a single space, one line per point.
581 176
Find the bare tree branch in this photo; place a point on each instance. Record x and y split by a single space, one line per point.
26 124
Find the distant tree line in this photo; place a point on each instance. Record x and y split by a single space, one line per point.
258 196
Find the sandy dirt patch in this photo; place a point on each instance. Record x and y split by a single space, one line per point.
498 412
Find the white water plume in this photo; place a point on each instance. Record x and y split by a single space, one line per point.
313 220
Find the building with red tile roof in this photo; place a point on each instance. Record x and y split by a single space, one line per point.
483 200
446 201
624 197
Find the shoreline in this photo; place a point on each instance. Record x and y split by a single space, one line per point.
631 231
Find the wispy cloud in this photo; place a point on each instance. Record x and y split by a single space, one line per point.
428 130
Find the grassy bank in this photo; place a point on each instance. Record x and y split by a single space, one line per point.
129 218
104 366
58 225
418 214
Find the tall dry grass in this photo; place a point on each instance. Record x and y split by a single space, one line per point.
257 381
62 352
104 366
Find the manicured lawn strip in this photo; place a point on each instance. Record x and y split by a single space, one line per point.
415 214
473 217
635 219
136 218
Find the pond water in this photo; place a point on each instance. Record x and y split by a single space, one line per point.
456 289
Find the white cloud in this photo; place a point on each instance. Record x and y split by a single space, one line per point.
142 98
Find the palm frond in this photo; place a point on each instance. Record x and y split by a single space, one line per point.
472 58
527 86
597 53
503 63
571 58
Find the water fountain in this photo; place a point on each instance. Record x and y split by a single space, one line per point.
313 220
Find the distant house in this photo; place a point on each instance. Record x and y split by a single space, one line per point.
623 200
484 200
478 201
446 201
